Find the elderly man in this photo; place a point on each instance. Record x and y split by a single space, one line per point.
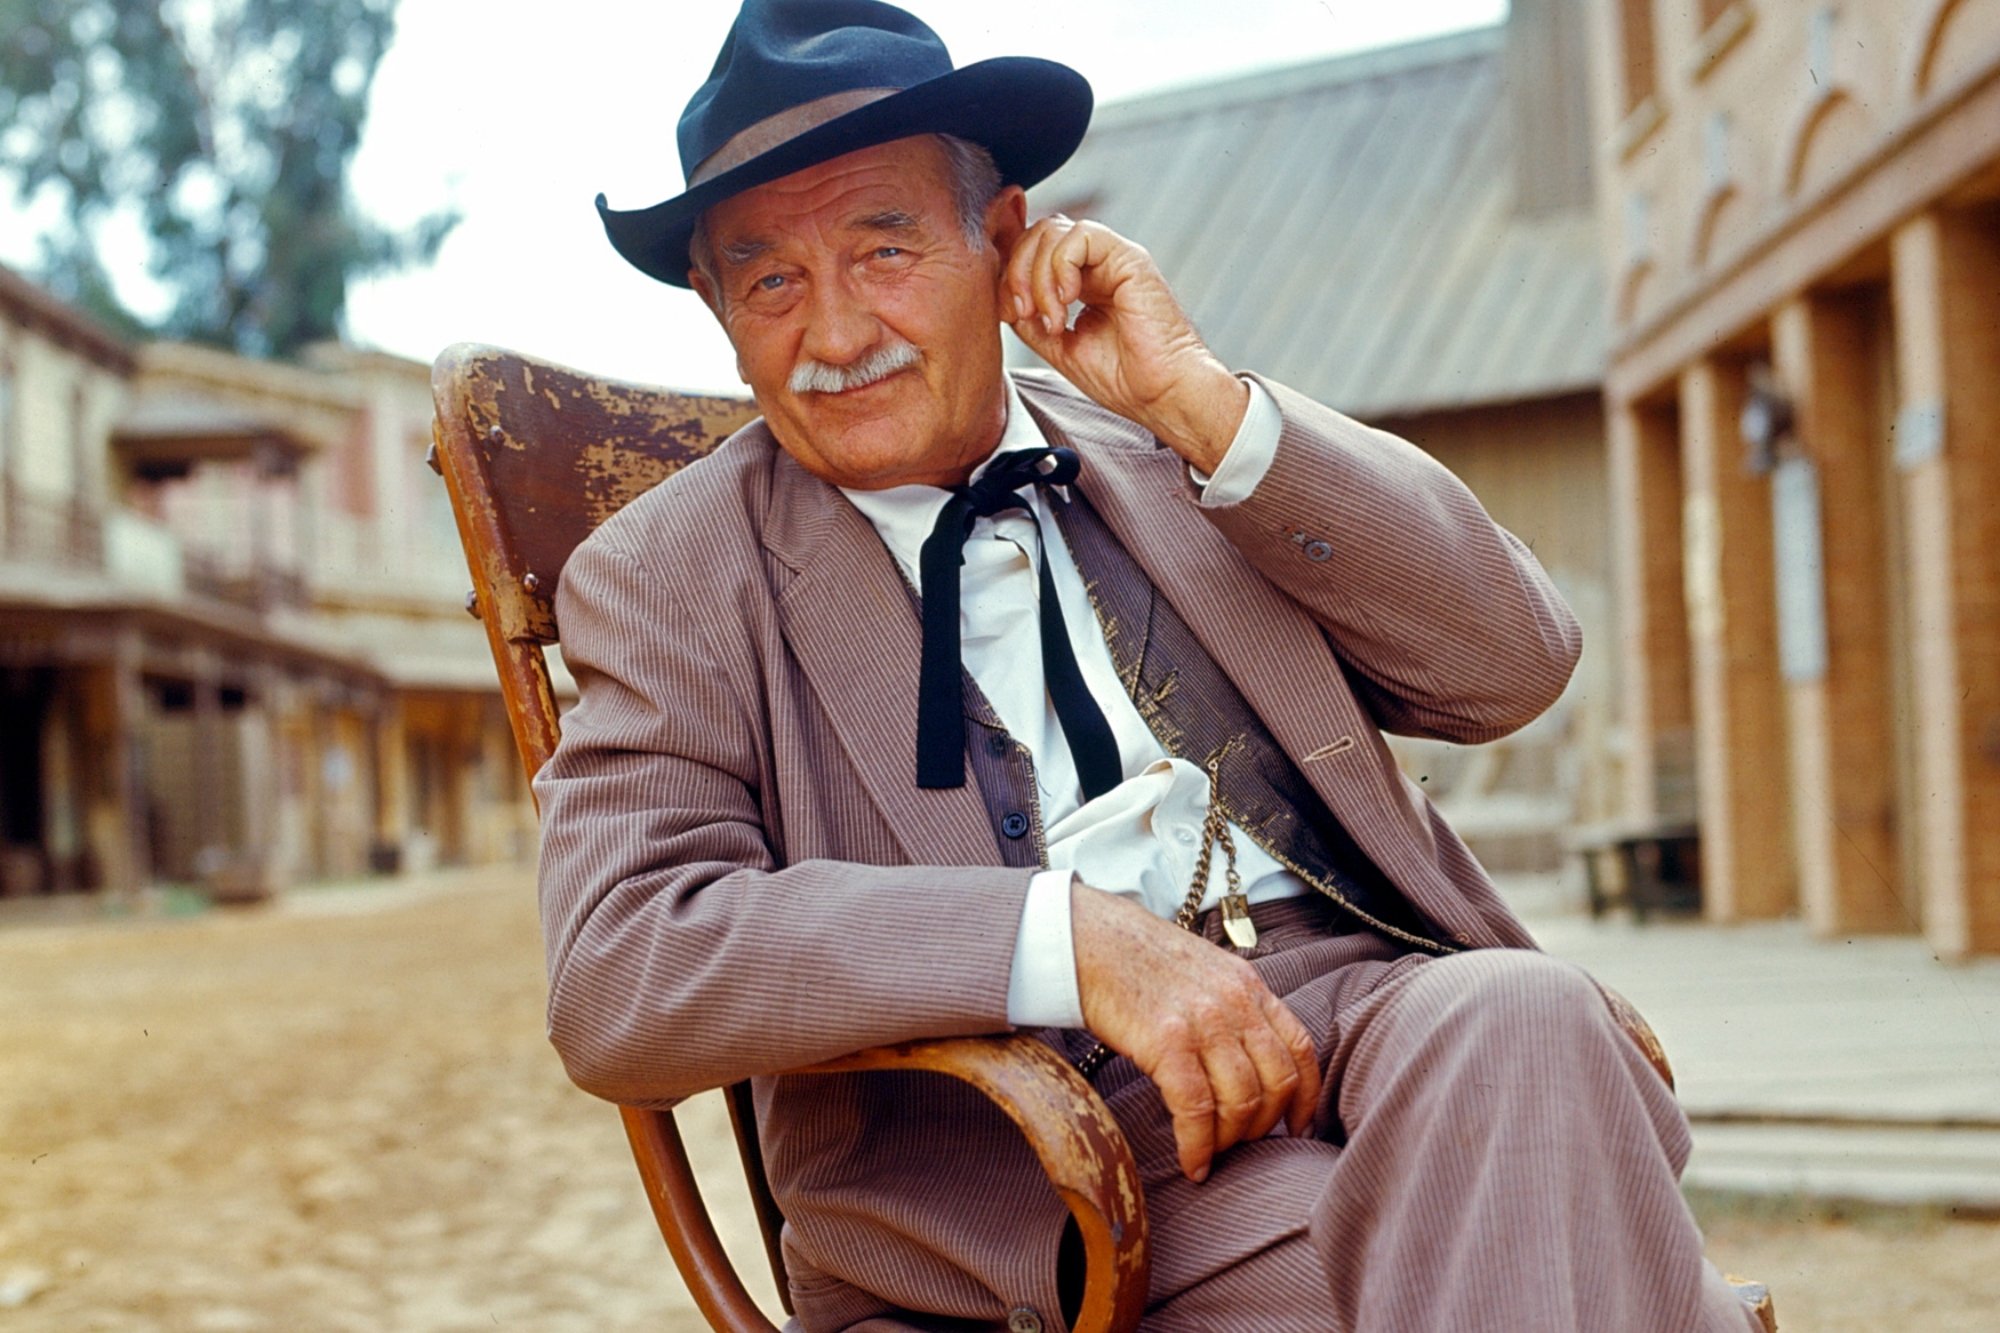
943 701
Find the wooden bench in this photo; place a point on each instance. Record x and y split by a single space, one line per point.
1651 866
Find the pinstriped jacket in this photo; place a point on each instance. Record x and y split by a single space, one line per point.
739 875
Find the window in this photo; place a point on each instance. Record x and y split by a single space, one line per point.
6 414
9 524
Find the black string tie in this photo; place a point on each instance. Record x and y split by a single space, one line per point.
940 692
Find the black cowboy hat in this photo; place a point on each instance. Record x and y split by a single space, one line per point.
802 81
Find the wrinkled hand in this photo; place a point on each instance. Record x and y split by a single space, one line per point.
1133 349
1229 1058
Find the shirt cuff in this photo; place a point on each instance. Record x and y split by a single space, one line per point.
1041 990
1249 455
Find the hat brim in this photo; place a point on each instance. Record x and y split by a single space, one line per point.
1030 114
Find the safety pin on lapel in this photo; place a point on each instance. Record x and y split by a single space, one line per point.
1341 746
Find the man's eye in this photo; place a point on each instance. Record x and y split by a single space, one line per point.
889 252
770 282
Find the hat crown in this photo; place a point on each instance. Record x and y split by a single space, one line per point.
784 53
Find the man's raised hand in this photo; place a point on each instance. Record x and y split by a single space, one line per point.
1230 1060
1133 349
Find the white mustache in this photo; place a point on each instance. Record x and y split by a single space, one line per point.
811 376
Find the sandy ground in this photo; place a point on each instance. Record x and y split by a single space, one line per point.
340 1113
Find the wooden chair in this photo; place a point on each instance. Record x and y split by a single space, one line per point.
535 456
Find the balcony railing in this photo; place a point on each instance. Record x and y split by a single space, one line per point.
256 589
39 529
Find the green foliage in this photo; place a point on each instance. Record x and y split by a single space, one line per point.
225 128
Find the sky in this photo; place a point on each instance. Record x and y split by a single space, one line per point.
520 112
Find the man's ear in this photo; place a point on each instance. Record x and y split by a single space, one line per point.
1007 221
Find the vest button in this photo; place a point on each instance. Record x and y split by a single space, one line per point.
1318 552
1021 1319
1015 825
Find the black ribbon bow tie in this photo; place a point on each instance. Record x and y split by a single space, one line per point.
940 691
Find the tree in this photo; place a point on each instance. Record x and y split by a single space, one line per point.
225 129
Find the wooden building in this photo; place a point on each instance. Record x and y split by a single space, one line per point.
380 575
1801 207
1408 235
231 652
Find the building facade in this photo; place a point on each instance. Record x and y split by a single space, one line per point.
1801 207
231 649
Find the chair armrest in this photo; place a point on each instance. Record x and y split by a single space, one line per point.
1079 1146
1064 1120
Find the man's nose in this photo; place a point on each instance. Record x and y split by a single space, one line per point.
840 327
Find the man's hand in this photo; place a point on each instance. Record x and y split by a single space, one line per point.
1229 1059
1133 349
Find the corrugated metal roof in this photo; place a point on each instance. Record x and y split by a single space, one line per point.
1348 227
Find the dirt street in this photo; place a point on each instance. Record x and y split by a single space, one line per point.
340 1114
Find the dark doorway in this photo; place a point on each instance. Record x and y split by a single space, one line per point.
25 695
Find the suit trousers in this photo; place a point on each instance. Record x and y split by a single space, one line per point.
1491 1152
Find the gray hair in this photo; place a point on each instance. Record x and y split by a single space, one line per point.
975 184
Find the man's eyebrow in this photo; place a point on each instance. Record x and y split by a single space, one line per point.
735 253
889 219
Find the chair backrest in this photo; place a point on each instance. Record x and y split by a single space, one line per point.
535 456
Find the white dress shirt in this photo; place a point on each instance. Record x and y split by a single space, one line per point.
1140 838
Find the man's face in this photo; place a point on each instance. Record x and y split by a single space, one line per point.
855 265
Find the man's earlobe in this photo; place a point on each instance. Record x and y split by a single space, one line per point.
1007 220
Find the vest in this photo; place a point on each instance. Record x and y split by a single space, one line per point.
1197 714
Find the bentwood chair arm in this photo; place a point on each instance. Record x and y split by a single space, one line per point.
1063 1119
1077 1142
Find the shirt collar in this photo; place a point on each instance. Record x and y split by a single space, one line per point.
904 515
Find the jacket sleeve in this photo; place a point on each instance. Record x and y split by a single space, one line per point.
681 955
1447 623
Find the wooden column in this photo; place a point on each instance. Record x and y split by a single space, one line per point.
263 779
65 792
210 778
1656 705
131 820
392 780
315 735
455 837
1840 721
1947 293
1740 758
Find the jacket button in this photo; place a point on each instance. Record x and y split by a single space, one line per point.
1015 825
1022 1319
998 744
1318 552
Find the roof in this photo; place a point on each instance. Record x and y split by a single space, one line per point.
427 652
67 325
176 427
218 372
53 597
1350 228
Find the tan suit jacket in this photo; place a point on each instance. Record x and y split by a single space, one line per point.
740 876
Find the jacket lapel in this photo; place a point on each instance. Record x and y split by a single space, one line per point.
1258 636
848 618
1262 640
